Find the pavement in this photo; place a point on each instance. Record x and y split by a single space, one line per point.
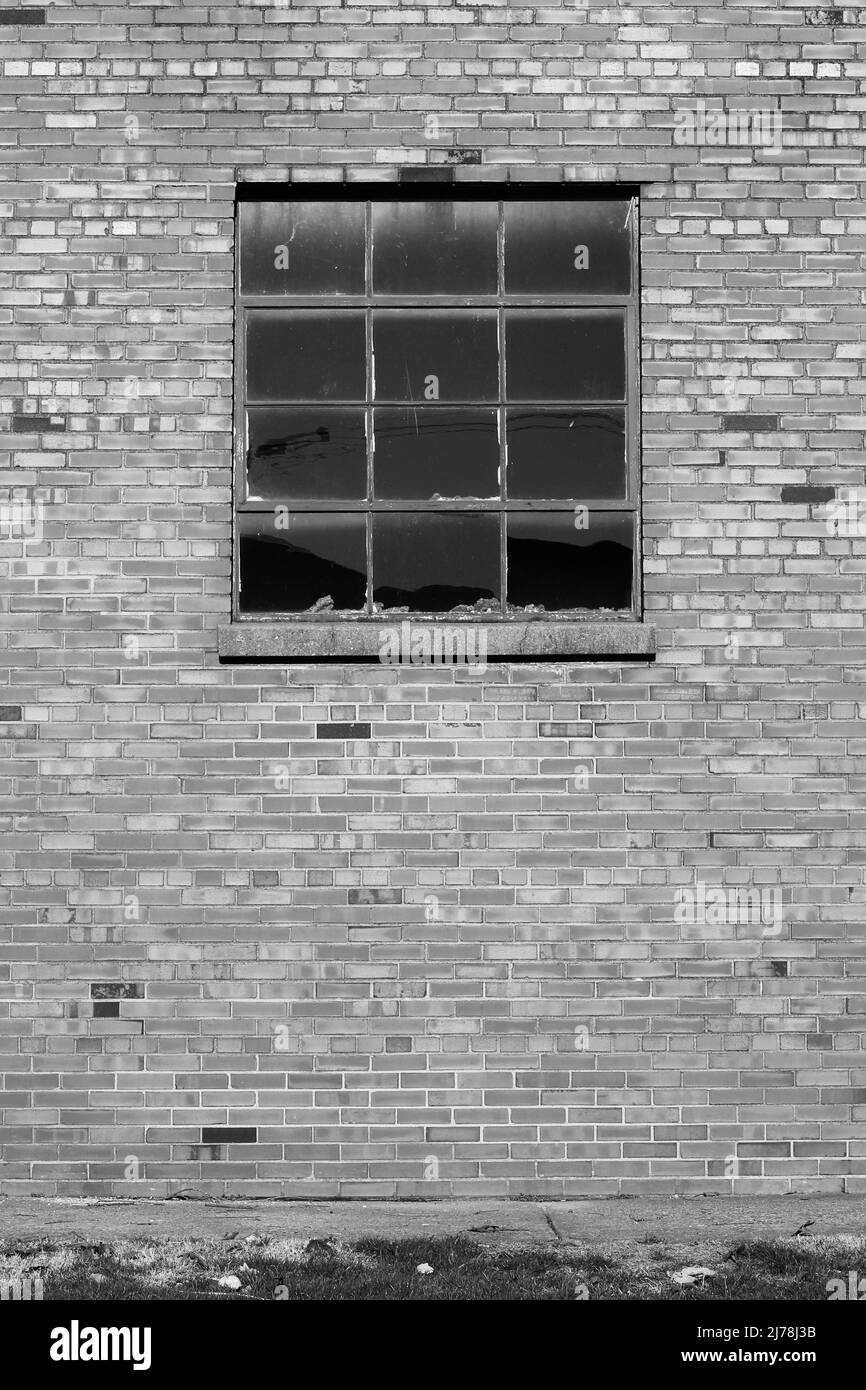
602 1223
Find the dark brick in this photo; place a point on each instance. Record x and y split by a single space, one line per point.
10 714
116 990
426 174
38 424
375 896
342 731
463 156
751 424
812 496
779 967
230 1134
23 16
825 17
106 1011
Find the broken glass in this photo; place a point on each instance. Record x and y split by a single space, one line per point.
562 560
302 561
432 562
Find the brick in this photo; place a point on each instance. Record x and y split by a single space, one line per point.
24 16
116 990
237 1134
751 424
342 731
812 496
37 424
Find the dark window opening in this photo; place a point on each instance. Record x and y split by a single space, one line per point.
437 403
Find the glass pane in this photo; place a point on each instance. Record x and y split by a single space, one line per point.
432 453
435 248
302 248
427 355
562 560
316 562
306 354
566 453
435 562
565 355
567 248
309 453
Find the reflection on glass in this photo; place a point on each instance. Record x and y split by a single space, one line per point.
306 354
565 355
434 562
302 248
318 562
434 453
554 564
430 355
436 247
306 453
568 247
566 453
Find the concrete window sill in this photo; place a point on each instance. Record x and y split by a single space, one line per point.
360 640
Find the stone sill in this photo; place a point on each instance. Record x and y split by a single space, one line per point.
360 640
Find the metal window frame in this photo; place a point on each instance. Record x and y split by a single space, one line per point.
499 302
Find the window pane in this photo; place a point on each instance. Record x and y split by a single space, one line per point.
565 355
430 453
554 565
302 248
318 557
435 248
434 562
567 248
306 355
429 355
566 453
312 452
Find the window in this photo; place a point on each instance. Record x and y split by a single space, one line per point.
437 404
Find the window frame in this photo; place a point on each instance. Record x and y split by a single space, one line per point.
498 302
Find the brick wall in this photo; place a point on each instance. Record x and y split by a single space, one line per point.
434 957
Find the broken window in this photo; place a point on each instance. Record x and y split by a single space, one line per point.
437 402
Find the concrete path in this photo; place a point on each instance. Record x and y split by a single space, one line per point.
601 1223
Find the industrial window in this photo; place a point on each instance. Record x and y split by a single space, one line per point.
437 404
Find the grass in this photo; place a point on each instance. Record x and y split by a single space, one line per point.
270 1268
